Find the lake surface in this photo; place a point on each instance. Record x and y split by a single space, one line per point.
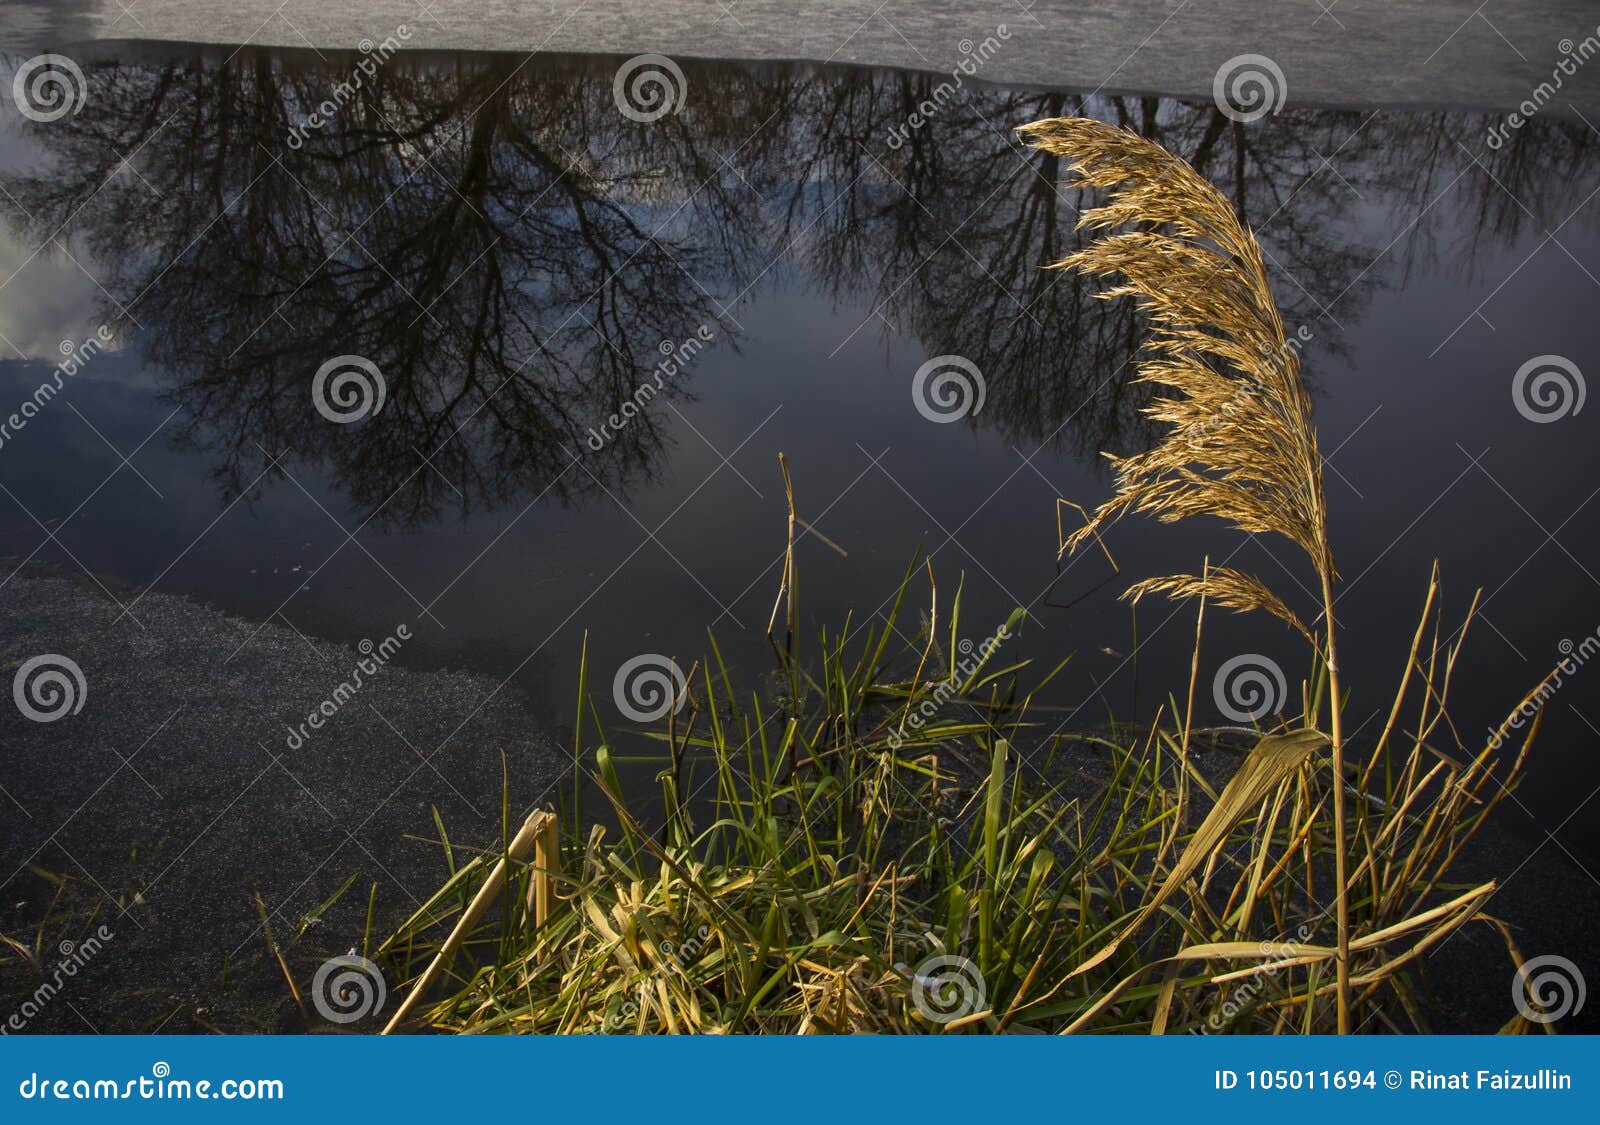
516 257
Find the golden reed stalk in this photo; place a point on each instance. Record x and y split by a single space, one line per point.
1241 444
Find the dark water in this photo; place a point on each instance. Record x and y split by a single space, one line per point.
515 256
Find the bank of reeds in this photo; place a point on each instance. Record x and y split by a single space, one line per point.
897 843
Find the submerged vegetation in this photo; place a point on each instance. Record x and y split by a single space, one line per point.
896 842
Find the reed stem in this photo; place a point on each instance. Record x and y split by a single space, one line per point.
1336 737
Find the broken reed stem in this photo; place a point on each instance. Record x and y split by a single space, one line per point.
547 865
540 826
283 966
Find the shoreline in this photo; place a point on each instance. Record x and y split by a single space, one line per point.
177 840
124 49
172 799
1418 56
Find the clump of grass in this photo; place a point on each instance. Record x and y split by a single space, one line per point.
809 886
852 870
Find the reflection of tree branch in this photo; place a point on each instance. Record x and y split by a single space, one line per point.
509 250
484 276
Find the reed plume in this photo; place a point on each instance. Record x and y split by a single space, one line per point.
1241 444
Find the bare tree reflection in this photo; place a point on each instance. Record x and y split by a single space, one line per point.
512 252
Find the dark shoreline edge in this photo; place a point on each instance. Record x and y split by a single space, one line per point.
174 797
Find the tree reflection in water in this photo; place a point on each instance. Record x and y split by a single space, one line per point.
514 254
